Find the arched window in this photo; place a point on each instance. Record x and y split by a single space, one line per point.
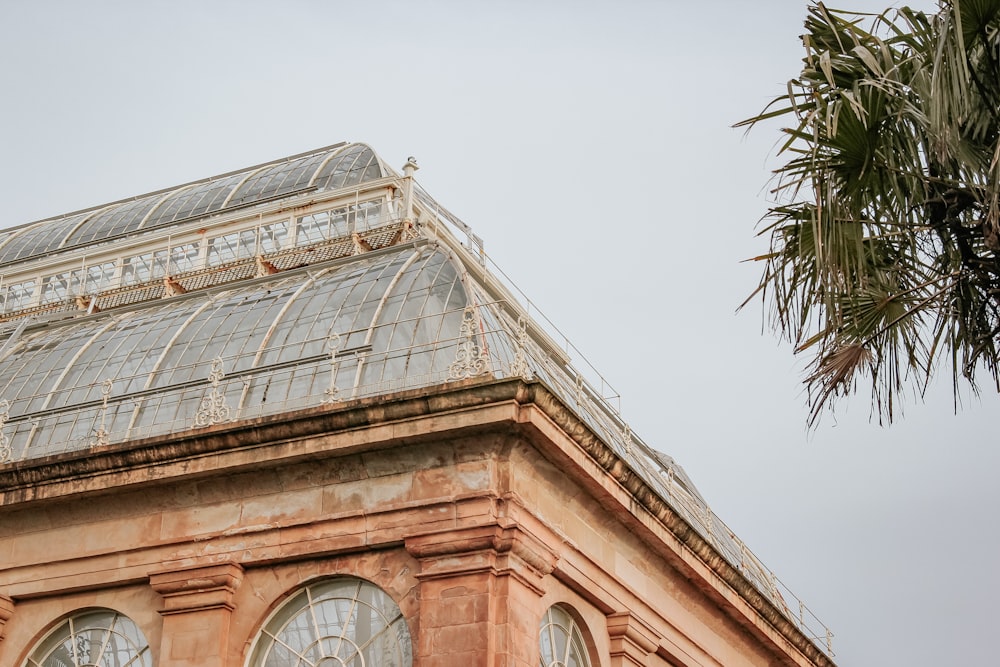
93 639
343 622
561 641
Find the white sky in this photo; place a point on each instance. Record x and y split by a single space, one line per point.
590 145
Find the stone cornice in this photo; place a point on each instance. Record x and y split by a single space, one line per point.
68 474
536 394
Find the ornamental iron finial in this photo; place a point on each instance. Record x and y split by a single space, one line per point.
101 436
581 395
5 446
332 345
669 475
519 366
470 359
213 409
627 439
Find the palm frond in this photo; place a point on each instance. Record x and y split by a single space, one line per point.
885 233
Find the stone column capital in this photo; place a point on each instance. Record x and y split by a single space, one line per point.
632 641
196 588
501 549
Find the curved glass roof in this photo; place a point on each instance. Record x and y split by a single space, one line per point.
339 166
272 338
37 239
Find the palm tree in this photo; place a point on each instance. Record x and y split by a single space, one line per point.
884 256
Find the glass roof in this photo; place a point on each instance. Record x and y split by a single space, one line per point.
37 239
272 337
114 221
340 166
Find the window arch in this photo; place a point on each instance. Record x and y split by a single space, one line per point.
93 638
561 641
342 622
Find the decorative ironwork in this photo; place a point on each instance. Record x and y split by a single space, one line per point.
5 447
772 582
332 345
669 475
627 439
470 359
519 367
213 409
581 395
101 436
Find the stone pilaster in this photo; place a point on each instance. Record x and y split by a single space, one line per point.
632 641
480 596
197 607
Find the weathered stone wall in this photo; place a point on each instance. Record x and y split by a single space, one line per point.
473 510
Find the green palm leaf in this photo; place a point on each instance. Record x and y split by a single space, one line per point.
885 233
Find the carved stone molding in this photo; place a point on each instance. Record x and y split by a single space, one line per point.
494 547
632 641
197 588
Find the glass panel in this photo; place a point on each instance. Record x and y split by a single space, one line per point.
560 640
183 258
23 372
56 288
194 201
273 237
338 297
157 348
232 329
98 638
20 295
157 264
344 621
228 248
39 239
5 235
120 219
338 223
321 226
410 325
93 279
277 179
123 353
137 269
368 215
349 168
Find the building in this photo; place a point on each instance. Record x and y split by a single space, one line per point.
287 416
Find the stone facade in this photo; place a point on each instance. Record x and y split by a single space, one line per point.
475 505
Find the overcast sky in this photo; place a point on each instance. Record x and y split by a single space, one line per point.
590 145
